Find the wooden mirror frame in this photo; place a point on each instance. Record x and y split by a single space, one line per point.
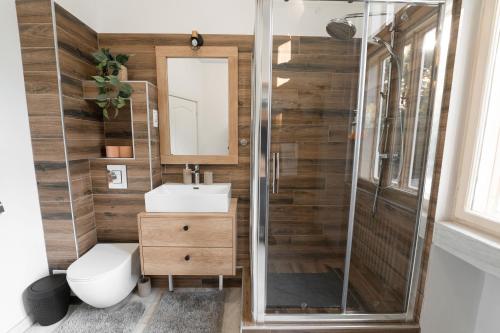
231 54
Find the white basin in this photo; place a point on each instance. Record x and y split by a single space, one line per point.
189 198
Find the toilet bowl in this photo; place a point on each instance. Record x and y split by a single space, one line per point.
106 274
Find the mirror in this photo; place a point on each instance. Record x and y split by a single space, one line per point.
198 104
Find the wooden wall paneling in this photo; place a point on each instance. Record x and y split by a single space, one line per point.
38 50
63 173
83 125
142 66
116 209
154 137
311 111
76 42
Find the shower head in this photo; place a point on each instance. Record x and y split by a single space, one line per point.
388 46
341 29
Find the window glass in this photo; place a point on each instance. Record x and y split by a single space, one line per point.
403 105
369 122
422 109
384 95
486 187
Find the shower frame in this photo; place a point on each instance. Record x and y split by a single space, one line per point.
260 170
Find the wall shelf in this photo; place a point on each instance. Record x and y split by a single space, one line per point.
473 246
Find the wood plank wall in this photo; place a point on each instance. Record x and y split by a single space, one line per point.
142 66
83 124
118 130
381 252
38 49
116 209
300 96
314 94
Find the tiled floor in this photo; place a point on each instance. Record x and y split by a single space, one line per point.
230 324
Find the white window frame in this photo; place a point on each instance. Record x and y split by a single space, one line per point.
488 44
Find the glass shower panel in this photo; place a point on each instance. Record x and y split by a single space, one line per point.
386 211
314 97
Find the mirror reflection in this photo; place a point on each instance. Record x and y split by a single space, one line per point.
198 106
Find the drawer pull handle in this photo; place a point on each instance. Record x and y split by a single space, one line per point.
185 228
187 257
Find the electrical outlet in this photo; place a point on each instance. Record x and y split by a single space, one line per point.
117 176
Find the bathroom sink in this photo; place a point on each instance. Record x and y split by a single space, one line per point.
180 198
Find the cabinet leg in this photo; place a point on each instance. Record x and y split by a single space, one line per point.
221 282
170 283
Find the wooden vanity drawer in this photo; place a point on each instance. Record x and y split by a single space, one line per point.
187 231
187 261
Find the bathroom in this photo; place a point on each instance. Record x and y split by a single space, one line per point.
250 166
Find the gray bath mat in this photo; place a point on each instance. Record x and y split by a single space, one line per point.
87 319
306 290
188 312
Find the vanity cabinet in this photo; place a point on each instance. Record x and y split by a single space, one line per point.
188 243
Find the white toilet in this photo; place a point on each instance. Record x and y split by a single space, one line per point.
106 274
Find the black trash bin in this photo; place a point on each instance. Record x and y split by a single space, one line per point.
47 299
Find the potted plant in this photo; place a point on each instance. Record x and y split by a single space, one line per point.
113 93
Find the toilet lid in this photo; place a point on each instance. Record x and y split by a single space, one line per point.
101 259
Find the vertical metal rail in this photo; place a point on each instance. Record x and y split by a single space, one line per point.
357 148
261 135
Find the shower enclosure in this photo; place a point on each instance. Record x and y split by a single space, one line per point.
345 107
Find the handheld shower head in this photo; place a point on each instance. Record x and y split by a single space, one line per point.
388 46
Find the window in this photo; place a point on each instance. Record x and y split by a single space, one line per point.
379 135
383 105
422 109
377 83
478 200
398 163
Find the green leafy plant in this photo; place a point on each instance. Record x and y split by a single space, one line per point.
113 93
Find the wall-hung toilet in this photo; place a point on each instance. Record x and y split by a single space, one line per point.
106 274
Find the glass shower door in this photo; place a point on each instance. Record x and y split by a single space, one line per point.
344 127
396 125
314 97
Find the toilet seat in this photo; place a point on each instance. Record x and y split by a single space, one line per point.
102 259
106 274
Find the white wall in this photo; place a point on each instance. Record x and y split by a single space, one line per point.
295 17
488 318
458 296
165 16
22 249
452 294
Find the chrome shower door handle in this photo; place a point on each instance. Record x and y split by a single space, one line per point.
277 173
274 173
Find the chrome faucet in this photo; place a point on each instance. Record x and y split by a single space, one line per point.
196 173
